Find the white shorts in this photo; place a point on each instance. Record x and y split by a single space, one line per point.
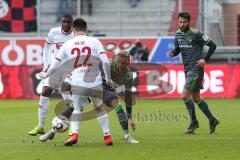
80 102
55 79
89 85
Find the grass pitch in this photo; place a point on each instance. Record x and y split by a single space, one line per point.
160 127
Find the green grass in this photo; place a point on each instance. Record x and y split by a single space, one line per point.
160 126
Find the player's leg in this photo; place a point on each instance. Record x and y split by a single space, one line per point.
102 118
213 122
186 96
110 98
50 83
67 113
123 120
42 111
75 120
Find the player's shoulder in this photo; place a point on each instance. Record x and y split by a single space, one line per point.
93 39
178 31
194 30
54 30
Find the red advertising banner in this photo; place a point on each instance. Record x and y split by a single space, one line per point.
220 81
21 60
21 52
151 81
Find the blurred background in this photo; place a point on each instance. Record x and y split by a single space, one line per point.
122 24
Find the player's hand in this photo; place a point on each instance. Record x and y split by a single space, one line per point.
170 54
42 74
201 62
132 124
112 84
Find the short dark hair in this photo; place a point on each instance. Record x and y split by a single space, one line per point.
69 16
80 24
185 15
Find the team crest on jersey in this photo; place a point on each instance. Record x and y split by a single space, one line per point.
189 39
3 8
58 45
205 38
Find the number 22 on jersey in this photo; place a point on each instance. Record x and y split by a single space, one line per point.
79 51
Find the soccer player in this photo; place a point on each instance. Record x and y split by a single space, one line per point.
122 78
83 54
190 43
56 37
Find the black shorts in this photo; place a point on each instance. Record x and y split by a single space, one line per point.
108 95
193 82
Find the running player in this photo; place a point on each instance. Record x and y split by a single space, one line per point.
190 42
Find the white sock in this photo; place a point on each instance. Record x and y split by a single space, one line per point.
67 99
102 118
42 111
75 121
76 115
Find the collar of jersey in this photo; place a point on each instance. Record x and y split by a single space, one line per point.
188 31
66 33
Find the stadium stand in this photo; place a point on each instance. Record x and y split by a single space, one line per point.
146 19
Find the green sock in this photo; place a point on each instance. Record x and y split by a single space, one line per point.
122 117
68 112
204 108
191 109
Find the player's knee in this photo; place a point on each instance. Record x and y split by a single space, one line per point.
47 91
185 97
196 99
65 86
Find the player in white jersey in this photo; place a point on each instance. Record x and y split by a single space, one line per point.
55 39
83 54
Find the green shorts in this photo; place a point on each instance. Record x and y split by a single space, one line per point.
193 82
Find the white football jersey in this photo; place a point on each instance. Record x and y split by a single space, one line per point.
57 37
82 53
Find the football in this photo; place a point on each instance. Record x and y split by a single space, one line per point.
60 123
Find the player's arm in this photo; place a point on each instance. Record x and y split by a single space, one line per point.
128 94
212 47
176 49
105 63
205 40
56 62
47 55
130 101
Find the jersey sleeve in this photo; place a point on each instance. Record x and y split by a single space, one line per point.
47 55
202 38
49 38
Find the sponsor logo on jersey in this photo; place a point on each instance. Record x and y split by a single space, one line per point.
205 38
185 46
